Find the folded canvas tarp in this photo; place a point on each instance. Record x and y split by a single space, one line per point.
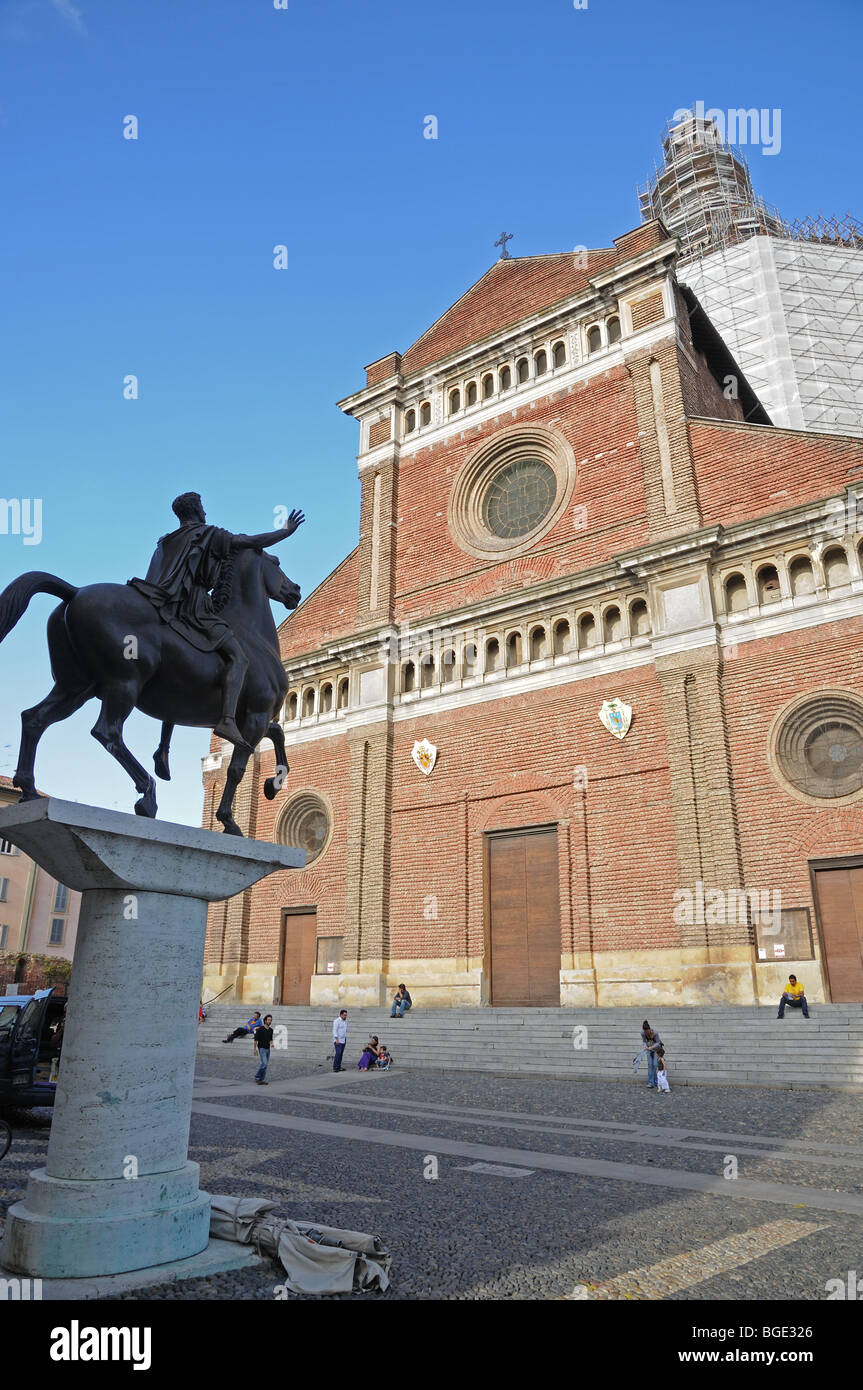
316 1259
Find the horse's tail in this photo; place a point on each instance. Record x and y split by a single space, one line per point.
16 596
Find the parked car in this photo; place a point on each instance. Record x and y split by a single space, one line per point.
30 1030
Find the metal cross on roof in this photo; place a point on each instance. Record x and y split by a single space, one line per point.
501 242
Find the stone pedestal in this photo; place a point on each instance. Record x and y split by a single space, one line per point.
117 1191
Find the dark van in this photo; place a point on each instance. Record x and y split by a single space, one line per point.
28 1047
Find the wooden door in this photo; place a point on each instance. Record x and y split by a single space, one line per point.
299 932
524 919
839 893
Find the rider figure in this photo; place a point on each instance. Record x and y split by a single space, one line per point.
183 571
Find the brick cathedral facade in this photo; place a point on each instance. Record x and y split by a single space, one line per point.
570 496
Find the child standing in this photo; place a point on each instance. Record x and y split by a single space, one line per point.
661 1072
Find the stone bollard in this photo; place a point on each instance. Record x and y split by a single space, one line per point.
118 1192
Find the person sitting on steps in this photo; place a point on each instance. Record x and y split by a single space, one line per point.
793 995
401 1003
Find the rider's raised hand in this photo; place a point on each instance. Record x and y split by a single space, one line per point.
295 519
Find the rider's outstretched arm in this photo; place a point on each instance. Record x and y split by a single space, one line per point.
268 538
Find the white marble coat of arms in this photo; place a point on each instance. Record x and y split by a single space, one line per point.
616 715
424 755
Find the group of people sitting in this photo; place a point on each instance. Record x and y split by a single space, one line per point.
374 1056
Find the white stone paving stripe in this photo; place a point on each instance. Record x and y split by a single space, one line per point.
496 1170
635 1134
680 1272
637 1130
785 1194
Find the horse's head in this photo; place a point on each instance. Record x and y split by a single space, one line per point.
247 582
277 584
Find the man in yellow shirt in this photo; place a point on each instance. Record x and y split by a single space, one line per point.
794 996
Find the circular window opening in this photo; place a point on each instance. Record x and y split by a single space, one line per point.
306 825
511 492
518 498
820 747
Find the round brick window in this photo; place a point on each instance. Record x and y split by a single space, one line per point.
306 825
511 492
819 747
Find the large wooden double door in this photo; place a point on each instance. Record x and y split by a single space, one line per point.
524 919
839 895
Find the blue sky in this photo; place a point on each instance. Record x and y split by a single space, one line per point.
304 127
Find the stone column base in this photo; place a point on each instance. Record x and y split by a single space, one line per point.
72 1228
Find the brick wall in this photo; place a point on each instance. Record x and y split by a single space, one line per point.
379 433
779 832
598 422
646 311
746 471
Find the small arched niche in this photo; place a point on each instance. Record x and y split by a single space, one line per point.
586 631
802 576
736 594
639 619
513 650
767 583
612 625
836 571
537 644
562 637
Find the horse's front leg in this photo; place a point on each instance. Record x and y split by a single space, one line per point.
274 784
252 730
160 757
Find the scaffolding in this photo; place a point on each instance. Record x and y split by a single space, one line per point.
703 191
784 295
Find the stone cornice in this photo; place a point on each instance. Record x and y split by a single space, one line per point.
630 570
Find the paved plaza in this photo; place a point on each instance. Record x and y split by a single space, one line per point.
545 1189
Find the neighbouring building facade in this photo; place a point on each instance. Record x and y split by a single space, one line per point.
38 915
580 719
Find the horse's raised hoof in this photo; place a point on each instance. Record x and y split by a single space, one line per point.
147 804
273 785
160 763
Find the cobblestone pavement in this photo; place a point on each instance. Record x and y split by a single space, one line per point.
544 1189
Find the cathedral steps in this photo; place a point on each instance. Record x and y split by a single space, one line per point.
718 1045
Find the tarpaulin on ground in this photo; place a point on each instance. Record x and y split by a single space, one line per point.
316 1259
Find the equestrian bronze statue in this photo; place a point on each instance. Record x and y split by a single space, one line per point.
194 643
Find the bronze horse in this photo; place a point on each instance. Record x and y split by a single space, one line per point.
108 641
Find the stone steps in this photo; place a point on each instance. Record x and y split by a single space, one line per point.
714 1045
